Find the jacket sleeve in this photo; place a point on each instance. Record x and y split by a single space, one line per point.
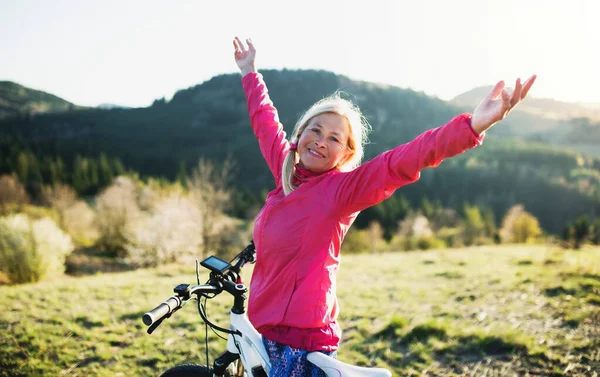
376 180
265 124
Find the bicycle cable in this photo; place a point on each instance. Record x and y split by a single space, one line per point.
205 336
197 272
204 315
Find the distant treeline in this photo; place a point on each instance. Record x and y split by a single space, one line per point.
87 175
85 147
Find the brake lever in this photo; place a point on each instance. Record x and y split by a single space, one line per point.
157 323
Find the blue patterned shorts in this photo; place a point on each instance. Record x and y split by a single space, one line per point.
291 362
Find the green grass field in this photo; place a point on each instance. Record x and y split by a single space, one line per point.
487 311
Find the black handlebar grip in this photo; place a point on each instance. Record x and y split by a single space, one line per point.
161 310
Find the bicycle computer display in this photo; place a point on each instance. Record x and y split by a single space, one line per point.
215 264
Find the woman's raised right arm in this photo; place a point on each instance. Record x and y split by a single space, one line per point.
263 115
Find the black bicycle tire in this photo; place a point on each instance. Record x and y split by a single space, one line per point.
188 370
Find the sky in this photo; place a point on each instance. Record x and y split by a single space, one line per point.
131 52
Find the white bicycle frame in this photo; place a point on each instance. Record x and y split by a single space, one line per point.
249 346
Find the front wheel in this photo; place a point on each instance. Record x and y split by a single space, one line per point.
188 370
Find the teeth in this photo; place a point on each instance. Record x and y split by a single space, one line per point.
315 153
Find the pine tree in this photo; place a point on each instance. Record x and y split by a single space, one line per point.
106 172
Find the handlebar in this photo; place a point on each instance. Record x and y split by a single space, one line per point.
162 310
216 284
248 255
174 303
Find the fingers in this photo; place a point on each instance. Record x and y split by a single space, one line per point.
527 86
250 45
237 42
516 95
506 99
497 90
520 91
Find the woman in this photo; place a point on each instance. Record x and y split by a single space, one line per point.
320 189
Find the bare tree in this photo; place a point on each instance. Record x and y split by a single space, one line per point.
375 232
11 192
169 234
209 188
59 197
117 212
74 216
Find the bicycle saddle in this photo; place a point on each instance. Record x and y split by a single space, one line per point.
336 368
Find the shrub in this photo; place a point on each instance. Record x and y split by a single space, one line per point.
60 197
426 243
74 216
452 237
526 229
32 250
405 243
79 221
12 192
369 240
376 237
212 195
519 226
356 241
474 226
172 233
117 211
415 225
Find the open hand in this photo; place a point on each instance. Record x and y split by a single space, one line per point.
244 55
496 105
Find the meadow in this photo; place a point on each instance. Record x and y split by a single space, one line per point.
509 310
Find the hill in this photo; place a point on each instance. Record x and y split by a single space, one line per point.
542 107
572 125
18 100
210 120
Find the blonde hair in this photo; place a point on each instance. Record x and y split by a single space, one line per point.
359 129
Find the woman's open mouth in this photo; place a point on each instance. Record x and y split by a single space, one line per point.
316 154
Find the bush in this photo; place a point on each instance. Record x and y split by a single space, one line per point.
209 189
60 197
117 211
356 241
414 225
426 243
74 216
405 243
172 233
12 192
32 250
474 226
79 221
519 226
452 237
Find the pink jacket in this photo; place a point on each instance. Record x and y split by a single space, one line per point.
298 237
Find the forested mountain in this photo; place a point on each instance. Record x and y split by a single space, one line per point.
211 120
17 100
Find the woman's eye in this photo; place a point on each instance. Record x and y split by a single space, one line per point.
334 139
316 130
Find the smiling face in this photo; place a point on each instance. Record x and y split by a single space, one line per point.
322 145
